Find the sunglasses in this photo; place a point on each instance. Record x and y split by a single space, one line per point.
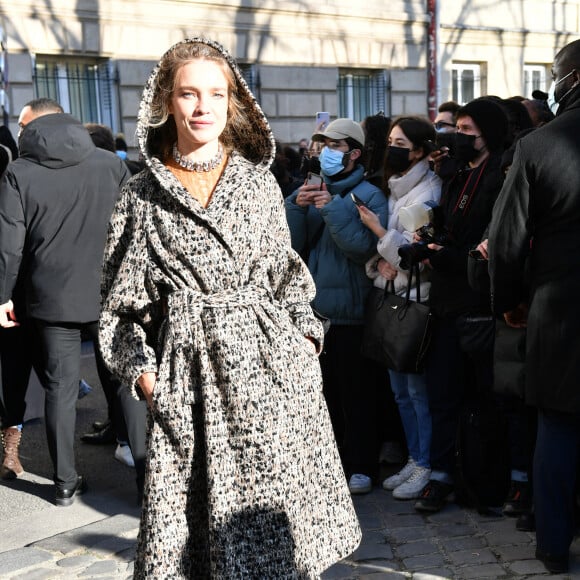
441 124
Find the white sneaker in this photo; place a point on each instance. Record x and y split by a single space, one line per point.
413 487
396 480
360 483
124 455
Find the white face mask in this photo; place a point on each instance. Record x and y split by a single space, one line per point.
552 99
552 102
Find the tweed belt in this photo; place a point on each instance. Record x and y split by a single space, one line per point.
186 362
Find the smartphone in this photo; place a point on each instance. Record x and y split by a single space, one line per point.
322 120
357 200
476 255
314 179
446 140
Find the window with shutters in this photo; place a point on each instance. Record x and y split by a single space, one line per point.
85 88
361 93
535 76
466 82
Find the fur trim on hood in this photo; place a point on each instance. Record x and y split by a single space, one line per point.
257 145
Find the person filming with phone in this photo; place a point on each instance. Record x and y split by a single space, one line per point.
326 229
410 181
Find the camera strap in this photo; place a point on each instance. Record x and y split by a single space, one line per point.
466 196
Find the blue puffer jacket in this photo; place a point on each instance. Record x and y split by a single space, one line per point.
337 260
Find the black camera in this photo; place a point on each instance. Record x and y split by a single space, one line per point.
432 231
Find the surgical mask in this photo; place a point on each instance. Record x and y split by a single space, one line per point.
554 103
464 149
398 158
332 161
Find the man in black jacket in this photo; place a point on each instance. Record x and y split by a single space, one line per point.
55 203
537 217
454 368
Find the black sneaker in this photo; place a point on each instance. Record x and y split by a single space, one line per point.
433 496
519 499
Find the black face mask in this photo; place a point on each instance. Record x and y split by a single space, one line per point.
464 149
398 158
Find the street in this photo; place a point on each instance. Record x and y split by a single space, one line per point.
95 537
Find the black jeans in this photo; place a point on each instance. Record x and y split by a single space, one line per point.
556 462
59 372
352 389
135 414
17 351
452 376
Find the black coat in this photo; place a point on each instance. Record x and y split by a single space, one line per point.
538 215
451 293
56 200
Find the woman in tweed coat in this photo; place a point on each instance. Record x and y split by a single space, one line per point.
206 313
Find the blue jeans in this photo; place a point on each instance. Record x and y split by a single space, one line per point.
556 463
411 396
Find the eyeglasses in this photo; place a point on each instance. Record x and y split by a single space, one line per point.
440 124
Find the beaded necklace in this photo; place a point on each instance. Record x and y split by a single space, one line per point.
208 165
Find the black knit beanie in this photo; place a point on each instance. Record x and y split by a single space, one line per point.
490 119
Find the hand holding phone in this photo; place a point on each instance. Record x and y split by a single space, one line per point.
357 200
477 255
321 122
314 179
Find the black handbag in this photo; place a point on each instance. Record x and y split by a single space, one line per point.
397 330
476 332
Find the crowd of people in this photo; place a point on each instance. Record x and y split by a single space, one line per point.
223 281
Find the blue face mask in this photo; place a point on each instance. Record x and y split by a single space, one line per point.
553 102
331 161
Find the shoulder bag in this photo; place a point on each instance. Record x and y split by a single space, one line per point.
397 329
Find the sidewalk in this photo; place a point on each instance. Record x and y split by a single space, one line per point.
95 537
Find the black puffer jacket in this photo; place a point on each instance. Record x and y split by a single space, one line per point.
55 203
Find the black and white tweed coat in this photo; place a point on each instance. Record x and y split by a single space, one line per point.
243 475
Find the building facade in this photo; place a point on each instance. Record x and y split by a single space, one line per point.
300 56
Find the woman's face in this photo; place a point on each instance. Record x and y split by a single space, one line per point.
199 104
398 139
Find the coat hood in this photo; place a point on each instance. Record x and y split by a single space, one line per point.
257 146
55 141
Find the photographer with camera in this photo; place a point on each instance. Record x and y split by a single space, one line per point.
460 359
410 181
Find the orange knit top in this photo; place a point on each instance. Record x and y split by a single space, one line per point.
199 184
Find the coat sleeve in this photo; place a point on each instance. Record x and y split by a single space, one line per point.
130 307
388 246
12 235
509 238
351 236
289 277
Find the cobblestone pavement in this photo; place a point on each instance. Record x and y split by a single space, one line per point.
95 537
397 543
